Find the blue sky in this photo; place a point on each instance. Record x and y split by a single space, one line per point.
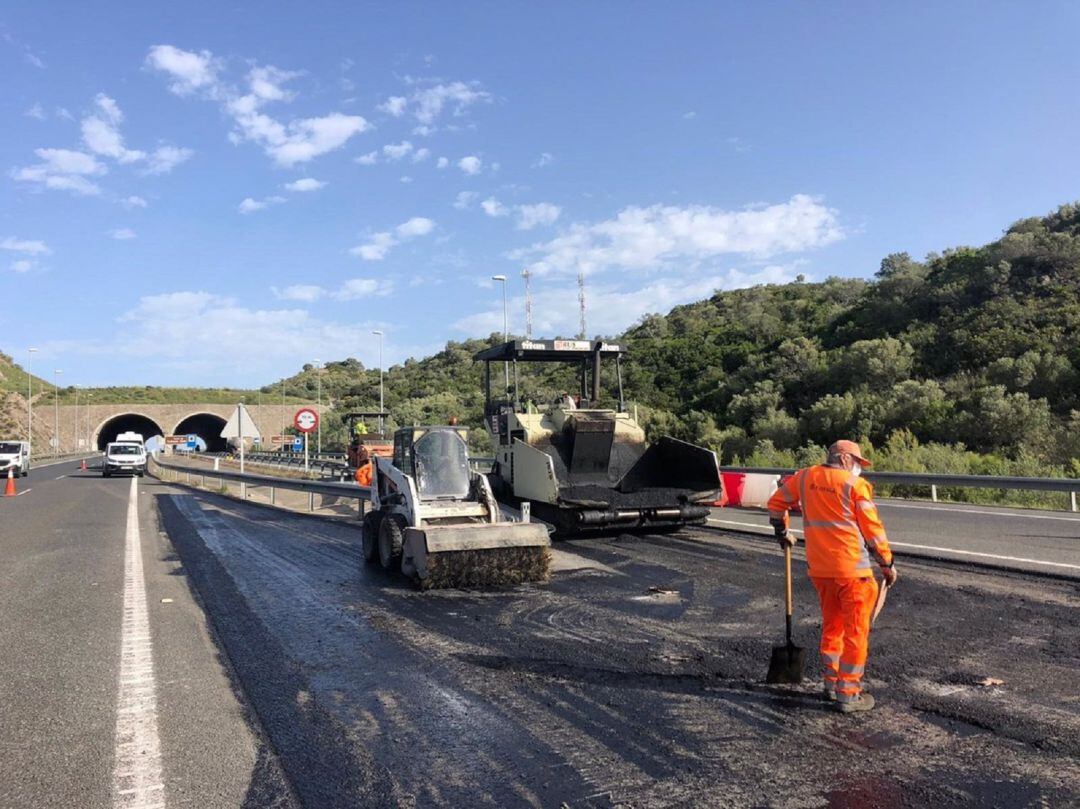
214 195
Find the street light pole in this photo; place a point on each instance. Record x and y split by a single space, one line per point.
318 408
506 327
75 423
382 406
56 409
30 401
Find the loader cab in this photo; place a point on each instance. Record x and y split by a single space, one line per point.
367 438
505 412
437 458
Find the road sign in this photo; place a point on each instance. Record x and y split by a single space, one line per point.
240 425
306 420
173 440
281 439
298 443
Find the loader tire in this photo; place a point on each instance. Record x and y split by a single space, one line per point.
391 541
369 535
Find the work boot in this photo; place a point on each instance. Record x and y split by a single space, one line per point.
829 694
864 702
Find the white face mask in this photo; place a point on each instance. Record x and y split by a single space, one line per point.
856 470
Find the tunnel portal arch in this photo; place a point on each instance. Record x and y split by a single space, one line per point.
123 423
205 425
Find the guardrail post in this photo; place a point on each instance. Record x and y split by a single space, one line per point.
272 495
933 492
311 501
1072 500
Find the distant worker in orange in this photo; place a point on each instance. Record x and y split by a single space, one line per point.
363 466
842 532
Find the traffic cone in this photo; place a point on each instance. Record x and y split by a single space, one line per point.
10 490
83 467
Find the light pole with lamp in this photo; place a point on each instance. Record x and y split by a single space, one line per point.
30 401
56 409
506 328
379 334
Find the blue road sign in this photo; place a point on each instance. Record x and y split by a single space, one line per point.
298 443
192 441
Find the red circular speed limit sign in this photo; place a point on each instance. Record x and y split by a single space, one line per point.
306 420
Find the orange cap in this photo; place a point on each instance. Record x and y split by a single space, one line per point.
851 448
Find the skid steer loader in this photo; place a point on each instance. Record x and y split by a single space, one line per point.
581 463
437 521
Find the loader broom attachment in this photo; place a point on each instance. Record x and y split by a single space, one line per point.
476 555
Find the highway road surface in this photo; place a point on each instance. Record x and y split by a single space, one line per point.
1017 538
284 672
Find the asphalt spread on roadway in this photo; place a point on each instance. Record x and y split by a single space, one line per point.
633 679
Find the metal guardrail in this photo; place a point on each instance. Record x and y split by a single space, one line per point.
1068 486
327 488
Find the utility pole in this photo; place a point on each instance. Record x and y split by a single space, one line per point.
582 333
506 328
75 422
382 407
318 428
30 401
528 303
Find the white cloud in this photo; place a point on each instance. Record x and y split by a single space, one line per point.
134 202
23 265
376 248
405 178
423 130
689 116
471 164
379 244
369 159
395 106
542 213
63 170
36 111
420 155
356 288
308 293
661 235
32 247
296 141
464 199
122 234
165 158
249 205
545 159
611 309
101 132
305 184
417 226
442 163
396 151
492 207
428 103
189 71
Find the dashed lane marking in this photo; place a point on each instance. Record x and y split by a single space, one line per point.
137 773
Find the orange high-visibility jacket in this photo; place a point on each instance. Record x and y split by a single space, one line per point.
841 526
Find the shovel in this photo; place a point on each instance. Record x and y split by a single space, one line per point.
786 664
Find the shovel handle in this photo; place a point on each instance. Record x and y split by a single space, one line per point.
789 597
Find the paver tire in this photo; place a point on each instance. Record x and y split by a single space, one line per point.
369 535
391 540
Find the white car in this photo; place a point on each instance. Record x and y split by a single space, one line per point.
122 458
14 457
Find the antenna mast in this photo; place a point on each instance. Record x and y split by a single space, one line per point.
582 334
528 303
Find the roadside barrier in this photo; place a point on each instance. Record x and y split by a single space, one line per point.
747 489
1070 486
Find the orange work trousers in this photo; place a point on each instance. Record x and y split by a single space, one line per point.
846 606
363 474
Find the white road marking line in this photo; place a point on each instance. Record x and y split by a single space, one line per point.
137 773
24 491
985 555
765 528
884 504
60 478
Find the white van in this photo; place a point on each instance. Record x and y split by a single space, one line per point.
14 457
123 457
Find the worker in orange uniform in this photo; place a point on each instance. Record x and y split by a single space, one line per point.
363 466
842 532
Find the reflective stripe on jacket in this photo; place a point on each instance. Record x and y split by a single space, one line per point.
841 526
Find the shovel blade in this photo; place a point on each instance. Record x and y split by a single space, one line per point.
786 665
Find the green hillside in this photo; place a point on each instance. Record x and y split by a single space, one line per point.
967 361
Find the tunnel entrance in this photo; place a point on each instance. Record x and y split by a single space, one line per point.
208 427
127 422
